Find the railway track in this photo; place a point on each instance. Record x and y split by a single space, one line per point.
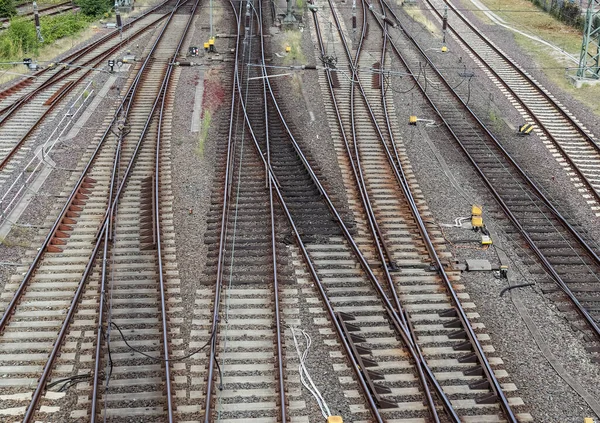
567 257
574 146
116 204
420 288
345 281
18 91
28 110
247 376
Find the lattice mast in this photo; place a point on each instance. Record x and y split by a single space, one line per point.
589 59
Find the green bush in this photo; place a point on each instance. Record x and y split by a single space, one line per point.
7 8
20 39
94 7
59 26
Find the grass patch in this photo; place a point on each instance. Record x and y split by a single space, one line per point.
466 4
417 15
525 16
203 134
292 39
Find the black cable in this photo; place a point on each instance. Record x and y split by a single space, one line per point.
110 360
515 286
66 380
162 359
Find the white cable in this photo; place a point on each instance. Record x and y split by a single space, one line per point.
305 376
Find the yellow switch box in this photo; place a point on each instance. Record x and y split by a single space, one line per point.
338 419
476 221
444 49
588 420
476 210
288 49
412 120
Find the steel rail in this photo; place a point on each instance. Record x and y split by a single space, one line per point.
278 319
62 333
23 138
546 264
537 89
272 176
9 110
161 270
390 310
374 227
161 98
446 402
6 159
487 132
103 277
358 170
84 50
106 235
283 416
223 234
403 181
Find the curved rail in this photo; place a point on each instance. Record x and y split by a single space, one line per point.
70 58
536 88
45 9
48 367
221 255
488 372
159 104
374 227
536 191
10 110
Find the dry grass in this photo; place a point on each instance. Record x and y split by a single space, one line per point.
526 17
417 15
293 39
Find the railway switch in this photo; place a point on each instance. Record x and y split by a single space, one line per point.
338 419
525 129
476 218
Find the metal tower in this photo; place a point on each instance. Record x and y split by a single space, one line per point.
590 48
